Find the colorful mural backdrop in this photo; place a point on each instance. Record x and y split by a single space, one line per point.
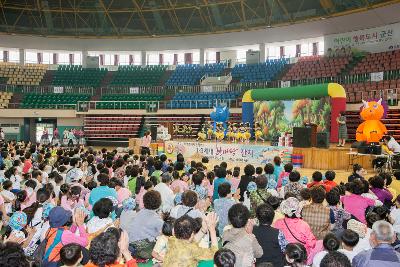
254 154
279 116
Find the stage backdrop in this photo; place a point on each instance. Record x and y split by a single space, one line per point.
254 154
276 117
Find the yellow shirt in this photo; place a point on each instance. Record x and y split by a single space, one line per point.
183 253
394 187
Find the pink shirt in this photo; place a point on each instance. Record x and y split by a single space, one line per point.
356 205
300 229
183 186
235 183
210 188
29 201
146 140
70 204
122 194
69 236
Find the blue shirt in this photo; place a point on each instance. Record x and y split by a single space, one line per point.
216 183
101 192
147 224
277 171
221 207
382 255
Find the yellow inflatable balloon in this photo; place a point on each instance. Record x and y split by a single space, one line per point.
372 129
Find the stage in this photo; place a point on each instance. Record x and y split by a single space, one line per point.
332 158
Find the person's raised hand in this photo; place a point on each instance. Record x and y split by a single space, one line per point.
211 220
79 217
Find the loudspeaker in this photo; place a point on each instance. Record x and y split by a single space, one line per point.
358 144
323 140
301 137
153 131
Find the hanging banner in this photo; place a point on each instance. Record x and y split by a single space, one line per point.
254 154
372 40
376 76
134 90
58 89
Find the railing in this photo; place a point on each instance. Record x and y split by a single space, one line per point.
26 89
43 106
85 106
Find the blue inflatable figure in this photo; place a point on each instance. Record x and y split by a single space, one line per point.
220 114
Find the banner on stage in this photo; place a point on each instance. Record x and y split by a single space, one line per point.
253 154
376 76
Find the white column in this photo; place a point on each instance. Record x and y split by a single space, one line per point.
262 52
143 57
202 56
21 56
84 58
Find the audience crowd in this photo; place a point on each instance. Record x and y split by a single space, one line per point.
85 207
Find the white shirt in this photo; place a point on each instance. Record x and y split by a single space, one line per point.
167 196
350 254
16 181
10 196
363 244
395 215
318 258
393 146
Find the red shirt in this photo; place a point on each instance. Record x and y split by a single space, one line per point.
27 166
329 185
309 185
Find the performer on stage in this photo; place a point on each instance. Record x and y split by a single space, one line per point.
188 131
229 133
44 140
234 132
219 132
240 134
258 132
65 136
247 133
56 137
341 120
202 134
209 130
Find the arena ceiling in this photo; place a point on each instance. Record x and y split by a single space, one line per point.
153 18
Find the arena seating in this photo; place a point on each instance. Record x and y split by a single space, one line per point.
258 72
110 126
59 101
200 100
316 67
5 99
16 74
138 76
369 90
74 75
190 74
127 105
377 62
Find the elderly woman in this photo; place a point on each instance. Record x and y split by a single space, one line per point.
295 229
260 195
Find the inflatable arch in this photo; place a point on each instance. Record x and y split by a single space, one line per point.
334 90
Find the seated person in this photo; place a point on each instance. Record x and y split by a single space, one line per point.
316 180
392 145
183 250
269 238
358 173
